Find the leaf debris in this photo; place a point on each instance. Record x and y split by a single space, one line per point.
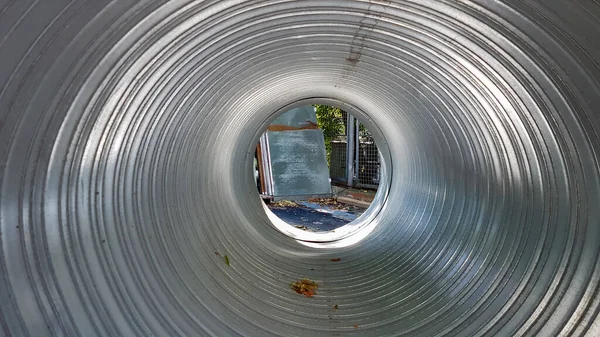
283 204
335 259
226 258
305 287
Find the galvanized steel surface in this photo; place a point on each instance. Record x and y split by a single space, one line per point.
114 199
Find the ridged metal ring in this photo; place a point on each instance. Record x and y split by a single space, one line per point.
126 136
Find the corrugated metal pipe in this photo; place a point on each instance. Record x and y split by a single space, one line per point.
127 135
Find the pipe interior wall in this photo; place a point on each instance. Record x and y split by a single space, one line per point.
127 132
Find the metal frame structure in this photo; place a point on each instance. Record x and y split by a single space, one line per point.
362 158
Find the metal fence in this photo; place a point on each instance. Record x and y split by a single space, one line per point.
354 160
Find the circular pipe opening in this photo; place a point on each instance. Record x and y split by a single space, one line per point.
366 222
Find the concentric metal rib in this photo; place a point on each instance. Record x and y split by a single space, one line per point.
126 135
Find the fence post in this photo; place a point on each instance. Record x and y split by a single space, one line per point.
350 150
357 152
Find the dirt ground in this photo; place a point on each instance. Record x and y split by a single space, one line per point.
316 214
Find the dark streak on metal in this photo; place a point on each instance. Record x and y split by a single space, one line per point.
360 36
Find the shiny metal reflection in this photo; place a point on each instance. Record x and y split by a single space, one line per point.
127 129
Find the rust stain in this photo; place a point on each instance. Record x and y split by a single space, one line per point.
353 59
281 127
261 173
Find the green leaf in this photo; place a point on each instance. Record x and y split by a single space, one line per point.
331 121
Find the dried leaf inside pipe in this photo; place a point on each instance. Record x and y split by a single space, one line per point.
305 287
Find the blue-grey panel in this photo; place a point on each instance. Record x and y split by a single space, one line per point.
299 163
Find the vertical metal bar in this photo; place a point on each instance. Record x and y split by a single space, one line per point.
271 184
350 150
266 157
379 161
263 159
357 152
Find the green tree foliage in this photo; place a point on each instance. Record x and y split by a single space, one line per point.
331 121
